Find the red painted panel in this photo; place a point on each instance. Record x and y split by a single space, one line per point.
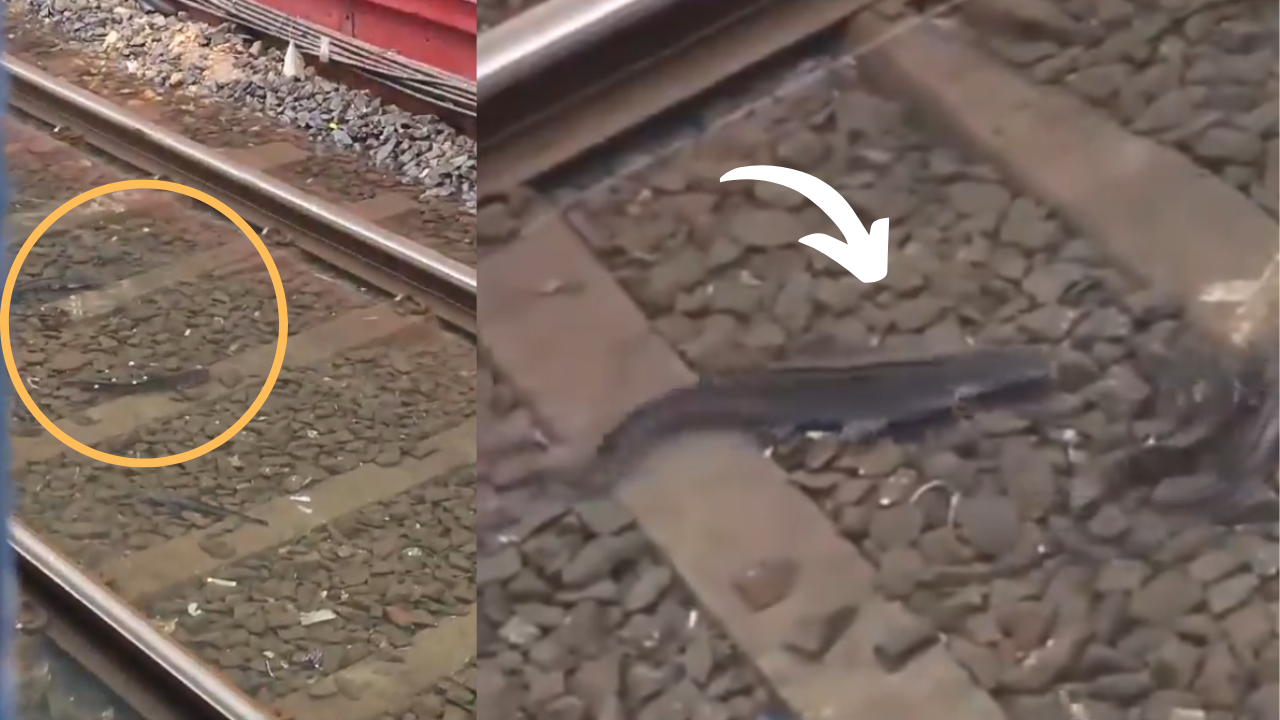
436 33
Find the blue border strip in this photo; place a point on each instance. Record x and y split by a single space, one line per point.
8 569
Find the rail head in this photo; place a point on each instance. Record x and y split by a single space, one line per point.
555 104
549 32
387 260
158 679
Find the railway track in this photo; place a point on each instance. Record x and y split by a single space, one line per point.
1007 567
317 565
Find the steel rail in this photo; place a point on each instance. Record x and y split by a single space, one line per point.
549 32
610 85
155 676
384 259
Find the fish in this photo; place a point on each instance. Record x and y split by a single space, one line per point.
158 383
860 400
56 287
180 504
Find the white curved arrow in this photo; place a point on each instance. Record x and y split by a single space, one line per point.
863 253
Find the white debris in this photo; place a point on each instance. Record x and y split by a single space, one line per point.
300 501
1229 291
317 616
293 64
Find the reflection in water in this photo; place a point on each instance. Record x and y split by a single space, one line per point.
51 685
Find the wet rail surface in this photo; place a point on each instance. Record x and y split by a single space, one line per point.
491 13
322 560
1009 566
51 684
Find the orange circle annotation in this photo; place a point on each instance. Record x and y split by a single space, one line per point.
20 386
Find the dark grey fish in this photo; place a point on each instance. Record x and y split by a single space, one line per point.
1247 454
52 288
1222 464
875 395
157 383
181 504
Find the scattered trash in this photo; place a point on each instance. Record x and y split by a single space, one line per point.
519 632
317 616
293 64
294 484
561 287
220 582
194 610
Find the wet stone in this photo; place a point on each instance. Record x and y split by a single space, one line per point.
1026 624
879 460
1037 707
1229 594
898 645
764 228
813 635
766 583
982 663
896 526
1043 668
599 557
1032 482
1166 597
605 517
990 523
1109 523
1121 688
973 198
1221 680
900 571
1175 663
1123 575
1214 565
499 568
648 588
1264 703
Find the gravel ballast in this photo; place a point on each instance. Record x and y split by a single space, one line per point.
583 618
218 62
1057 577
